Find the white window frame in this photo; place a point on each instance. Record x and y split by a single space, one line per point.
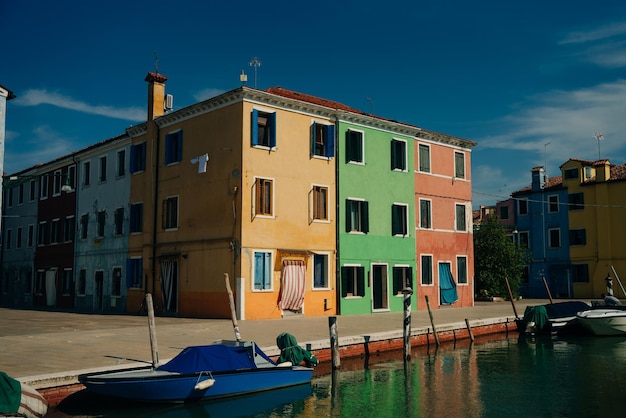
419 166
326 273
406 155
271 271
432 270
550 230
273 203
362 162
556 196
458 275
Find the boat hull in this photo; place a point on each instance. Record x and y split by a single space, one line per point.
603 322
151 385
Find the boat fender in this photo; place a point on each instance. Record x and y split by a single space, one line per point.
205 384
285 364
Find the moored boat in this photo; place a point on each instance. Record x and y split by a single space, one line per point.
227 368
20 400
603 322
551 318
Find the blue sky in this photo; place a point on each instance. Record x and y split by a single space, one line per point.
512 76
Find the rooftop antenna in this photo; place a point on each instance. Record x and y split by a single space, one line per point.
545 168
156 62
599 136
256 63
369 99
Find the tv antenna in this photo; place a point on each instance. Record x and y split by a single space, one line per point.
599 136
256 63
369 99
156 62
545 168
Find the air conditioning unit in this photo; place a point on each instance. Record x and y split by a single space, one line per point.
169 102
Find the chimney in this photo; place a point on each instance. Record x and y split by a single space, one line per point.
603 170
156 95
538 179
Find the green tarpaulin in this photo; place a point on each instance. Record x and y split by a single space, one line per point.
10 394
291 351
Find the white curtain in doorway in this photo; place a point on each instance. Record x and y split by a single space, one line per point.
51 287
167 282
292 285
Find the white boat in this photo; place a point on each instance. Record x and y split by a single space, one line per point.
603 321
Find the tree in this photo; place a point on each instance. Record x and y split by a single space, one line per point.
496 258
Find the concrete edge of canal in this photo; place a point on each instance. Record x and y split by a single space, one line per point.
57 386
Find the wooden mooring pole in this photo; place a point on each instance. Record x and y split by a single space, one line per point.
545 283
407 322
334 342
469 330
152 331
233 312
432 321
508 286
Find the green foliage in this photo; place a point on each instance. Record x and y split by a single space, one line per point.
495 259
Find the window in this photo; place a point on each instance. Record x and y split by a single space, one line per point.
42 233
459 165
18 237
84 225
523 240
399 220
576 201
33 190
553 203
357 216
136 217
9 197
121 163
68 229
554 237
174 147
82 282
522 207
354 147
7 244
56 183
134 271
580 273
352 281
28 281
55 231
31 235
40 282
262 270
577 237
20 194
323 140
116 282
263 129
320 271
402 278
263 197
424 158
320 203
398 155
427 269
103 169
100 222
119 221
68 282
86 173
504 212
44 186
461 269
570 173
425 214
71 177
460 218
138 157
170 213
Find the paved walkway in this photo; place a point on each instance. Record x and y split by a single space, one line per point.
35 343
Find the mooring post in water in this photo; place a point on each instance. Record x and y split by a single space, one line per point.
432 321
545 284
152 331
407 292
508 286
334 342
233 313
469 330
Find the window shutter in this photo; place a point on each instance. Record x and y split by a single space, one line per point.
396 226
313 137
349 146
129 273
365 217
179 151
330 141
360 281
255 127
133 157
344 282
272 125
409 278
348 215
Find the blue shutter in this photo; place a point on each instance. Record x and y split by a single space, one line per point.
129 274
168 148
133 157
330 141
258 270
255 127
142 156
272 124
179 151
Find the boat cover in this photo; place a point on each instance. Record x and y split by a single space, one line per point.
538 315
292 352
565 309
213 358
10 393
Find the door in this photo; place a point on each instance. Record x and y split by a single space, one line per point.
51 287
292 286
380 286
99 290
447 287
169 284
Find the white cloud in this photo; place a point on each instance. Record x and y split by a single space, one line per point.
207 94
35 97
596 34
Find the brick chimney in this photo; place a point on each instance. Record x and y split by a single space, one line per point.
156 95
603 170
538 178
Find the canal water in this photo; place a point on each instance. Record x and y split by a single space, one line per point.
496 377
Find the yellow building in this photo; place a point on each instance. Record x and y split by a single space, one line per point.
597 225
240 184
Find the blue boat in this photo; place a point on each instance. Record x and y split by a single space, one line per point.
224 369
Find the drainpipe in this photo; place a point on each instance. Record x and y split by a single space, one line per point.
337 217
